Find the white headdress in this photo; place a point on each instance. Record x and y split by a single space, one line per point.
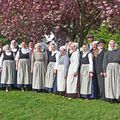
62 47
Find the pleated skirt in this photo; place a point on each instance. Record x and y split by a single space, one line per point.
85 80
23 73
49 79
39 72
112 81
61 82
71 83
7 74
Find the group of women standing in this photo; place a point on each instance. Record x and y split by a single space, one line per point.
88 72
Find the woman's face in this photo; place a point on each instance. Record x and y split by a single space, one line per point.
52 47
112 45
24 45
73 47
84 48
62 51
39 48
7 47
31 45
14 43
94 46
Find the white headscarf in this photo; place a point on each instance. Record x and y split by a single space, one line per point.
62 47
94 42
76 44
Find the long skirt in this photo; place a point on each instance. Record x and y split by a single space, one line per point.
71 83
39 72
61 82
49 79
7 75
85 80
112 81
23 73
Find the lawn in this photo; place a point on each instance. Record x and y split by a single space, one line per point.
16 105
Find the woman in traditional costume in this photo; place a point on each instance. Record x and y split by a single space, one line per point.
62 70
7 63
38 67
86 72
51 68
14 47
23 67
72 77
111 67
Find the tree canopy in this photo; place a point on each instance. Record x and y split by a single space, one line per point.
30 19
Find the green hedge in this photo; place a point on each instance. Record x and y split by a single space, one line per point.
104 33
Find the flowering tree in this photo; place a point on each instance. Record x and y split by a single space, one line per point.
90 15
29 19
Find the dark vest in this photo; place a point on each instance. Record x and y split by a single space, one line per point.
69 54
8 57
84 60
51 58
16 51
23 56
0 53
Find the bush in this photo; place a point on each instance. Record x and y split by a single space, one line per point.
104 33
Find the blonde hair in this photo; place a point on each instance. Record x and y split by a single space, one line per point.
37 46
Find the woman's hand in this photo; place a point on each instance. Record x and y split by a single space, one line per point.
75 74
105 74
90 74
55 72
65 77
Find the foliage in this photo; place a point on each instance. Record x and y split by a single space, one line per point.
29 19
104 33
4 40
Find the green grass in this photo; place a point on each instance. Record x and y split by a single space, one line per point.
16 105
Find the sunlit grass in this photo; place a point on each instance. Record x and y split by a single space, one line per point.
16 105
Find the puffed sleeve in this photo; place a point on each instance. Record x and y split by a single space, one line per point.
1 59
76 58
90 57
